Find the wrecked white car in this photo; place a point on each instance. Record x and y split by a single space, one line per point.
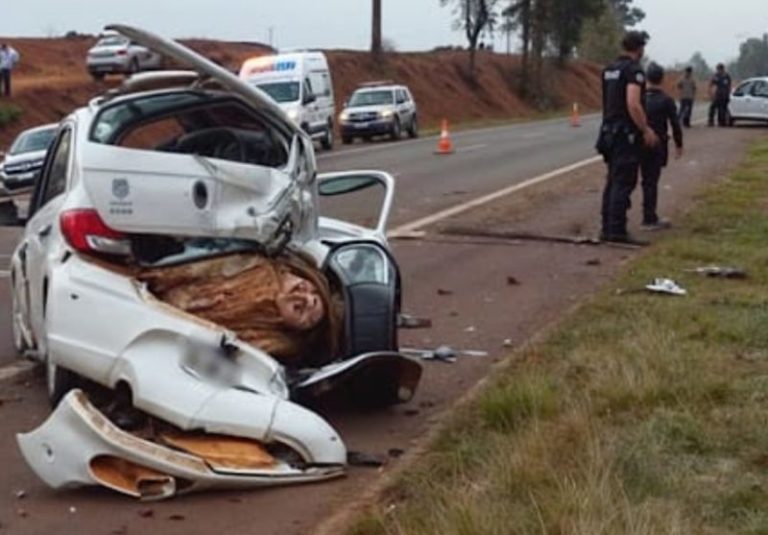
174 258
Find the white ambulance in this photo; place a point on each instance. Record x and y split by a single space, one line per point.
301 84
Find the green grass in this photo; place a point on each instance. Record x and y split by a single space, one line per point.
640 414
9 113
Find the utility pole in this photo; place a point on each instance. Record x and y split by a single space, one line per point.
376 29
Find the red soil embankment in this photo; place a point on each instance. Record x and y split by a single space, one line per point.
51 80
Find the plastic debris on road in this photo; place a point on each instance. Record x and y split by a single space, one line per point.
666 286
724 272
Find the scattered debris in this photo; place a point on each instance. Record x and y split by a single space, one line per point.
22 512
177 517
427 404
365 460
453 314
396 453
724 272
470 329
442 353
147 513
594 262
508 343
512 281
21 494
516 235
441 291
666 286
411 412
407 321
122 530
72 510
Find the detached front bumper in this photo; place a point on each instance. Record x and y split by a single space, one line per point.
78 446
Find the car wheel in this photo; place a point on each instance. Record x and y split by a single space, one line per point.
327 142
396 132
346 140
413 129
59 382
97 76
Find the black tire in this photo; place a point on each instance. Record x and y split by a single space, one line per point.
59 382
397 131
346 140
413 128
97 76
327 141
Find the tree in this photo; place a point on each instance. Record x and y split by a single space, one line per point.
701 68
376 28
753 58
601 36
627 14
567 19
474 17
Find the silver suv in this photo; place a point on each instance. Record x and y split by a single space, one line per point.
379 108
116 54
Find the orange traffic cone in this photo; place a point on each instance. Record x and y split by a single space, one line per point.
445 145
575 116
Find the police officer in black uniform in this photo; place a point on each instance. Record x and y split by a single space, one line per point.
720 92
623 133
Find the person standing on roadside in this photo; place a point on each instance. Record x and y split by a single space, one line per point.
720 93
623 133
687 89
8 60
662 114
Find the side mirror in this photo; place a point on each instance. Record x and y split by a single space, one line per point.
309 98
9 215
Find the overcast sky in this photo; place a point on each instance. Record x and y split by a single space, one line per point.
678 27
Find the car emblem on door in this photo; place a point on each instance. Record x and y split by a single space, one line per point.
120 188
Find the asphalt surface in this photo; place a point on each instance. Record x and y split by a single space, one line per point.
479 295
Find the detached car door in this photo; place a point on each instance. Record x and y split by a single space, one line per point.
41 238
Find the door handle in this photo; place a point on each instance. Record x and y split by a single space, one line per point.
45 231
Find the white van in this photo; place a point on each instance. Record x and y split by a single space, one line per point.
301 84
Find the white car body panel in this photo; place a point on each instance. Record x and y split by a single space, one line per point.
61 451
749 100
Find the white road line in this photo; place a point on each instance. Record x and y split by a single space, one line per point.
414 226
14 370
471 148
4 274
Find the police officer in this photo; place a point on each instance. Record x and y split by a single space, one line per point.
720 93
623 133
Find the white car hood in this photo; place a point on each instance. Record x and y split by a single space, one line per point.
369 109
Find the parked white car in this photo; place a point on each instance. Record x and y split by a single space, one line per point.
24 158
377 109
116 54
179 170
749 101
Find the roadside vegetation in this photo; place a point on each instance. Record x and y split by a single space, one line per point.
9 113
639 414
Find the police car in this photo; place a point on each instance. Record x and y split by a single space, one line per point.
377 109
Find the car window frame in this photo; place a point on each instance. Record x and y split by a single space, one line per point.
759 84
744 89
39 198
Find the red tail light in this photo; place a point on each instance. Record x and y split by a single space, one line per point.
85 232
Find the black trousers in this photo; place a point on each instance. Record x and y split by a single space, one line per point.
719 106
653 161
5 82
623 165
686 110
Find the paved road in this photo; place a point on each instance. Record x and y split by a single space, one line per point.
485 160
